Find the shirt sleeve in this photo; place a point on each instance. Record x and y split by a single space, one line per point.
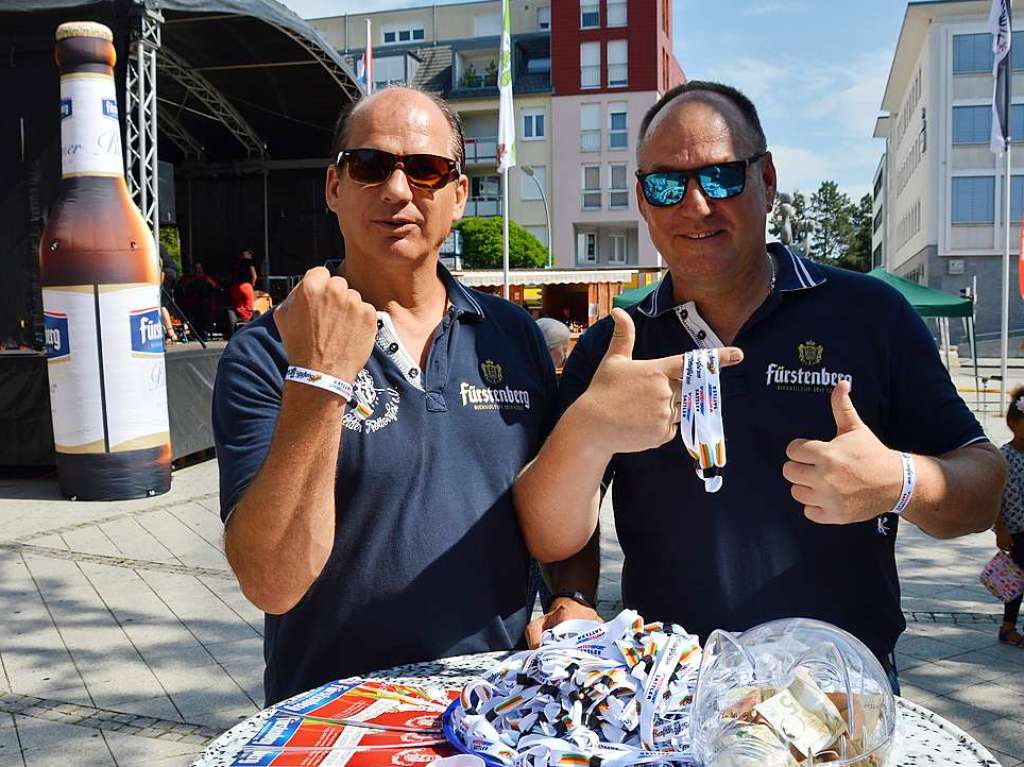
927 416
246 402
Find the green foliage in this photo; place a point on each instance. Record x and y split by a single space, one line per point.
469 76
481 245
829 229
170 239
830 211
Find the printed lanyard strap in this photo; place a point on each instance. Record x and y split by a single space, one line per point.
700 422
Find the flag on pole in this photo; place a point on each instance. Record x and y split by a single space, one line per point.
364 69
506 113
999 26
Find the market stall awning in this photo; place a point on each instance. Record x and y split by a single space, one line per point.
480 278
928 301
629 297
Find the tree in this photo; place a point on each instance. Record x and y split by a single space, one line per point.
830 212
858 248
481 245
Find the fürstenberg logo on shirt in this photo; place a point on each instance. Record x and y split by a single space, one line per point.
495 396
784 378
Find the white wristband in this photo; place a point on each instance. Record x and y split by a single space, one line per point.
909 480
320 380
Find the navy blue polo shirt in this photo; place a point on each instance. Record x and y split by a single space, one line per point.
747 554
428 560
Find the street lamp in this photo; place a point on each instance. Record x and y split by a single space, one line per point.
528 170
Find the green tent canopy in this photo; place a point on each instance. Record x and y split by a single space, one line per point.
928 301
627 298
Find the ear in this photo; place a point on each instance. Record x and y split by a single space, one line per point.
769 179
332 189
461 197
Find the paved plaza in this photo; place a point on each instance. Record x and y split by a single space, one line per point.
124 639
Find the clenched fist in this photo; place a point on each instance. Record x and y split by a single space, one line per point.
326 326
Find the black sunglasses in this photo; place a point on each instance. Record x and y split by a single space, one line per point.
424 171
664 188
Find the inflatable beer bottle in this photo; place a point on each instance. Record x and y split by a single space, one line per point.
100 279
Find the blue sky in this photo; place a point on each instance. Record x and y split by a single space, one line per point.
815 69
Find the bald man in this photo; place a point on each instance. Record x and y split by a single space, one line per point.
370 429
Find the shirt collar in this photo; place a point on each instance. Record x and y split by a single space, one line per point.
794 273
459 295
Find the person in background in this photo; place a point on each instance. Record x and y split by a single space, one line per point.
247 266
1009 526
556 336
242 295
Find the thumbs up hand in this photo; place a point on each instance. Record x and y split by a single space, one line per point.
633 405
852 478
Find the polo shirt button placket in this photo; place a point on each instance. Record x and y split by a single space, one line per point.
392 348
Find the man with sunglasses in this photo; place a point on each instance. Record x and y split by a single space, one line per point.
370 429
801 525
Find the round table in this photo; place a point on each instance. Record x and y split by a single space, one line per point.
923 738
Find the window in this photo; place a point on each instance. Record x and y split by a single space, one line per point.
540 232
538 66
590 65
533 125
1016 197
617 246
618 63
1016 122
618 128
586 247
972 125
972 53
527 188
591 187
664 16
393 34
487 25
973 199
544 18
590 15
618 191
590 127
617 13
664 70
487 187
388 70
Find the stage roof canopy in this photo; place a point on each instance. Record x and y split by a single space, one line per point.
236 79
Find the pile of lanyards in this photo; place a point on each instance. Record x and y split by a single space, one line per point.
599 695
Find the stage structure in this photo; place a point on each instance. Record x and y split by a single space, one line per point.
236 97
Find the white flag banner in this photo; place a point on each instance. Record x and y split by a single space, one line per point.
506 111
999 26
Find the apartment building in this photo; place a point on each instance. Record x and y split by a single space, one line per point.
584 73
941 196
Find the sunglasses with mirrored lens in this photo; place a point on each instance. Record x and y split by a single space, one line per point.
720 181
424 171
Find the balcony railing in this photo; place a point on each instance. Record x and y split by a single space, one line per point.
590 76
590 140
481 149
470 82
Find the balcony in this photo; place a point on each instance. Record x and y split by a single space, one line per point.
489 205
481 150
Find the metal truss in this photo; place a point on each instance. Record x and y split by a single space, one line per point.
180 137
141 113
341 74
174 66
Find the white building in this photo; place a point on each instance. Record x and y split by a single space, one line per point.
941 202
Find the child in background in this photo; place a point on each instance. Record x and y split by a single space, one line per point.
1009 527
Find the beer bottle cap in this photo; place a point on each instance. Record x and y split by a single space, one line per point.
84 29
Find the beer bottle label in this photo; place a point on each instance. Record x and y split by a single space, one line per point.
90 134
105 354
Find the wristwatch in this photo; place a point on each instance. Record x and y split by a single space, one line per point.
575 596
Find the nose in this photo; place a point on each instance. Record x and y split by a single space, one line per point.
396 188
694 202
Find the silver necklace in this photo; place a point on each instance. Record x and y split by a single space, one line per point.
771 265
